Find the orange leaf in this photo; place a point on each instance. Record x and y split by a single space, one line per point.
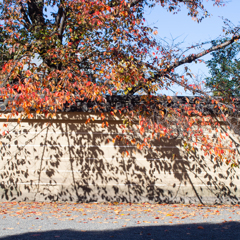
133 141
102 116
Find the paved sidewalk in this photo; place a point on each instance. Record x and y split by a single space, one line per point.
118 221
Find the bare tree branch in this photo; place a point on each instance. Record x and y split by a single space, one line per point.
25 17
193 57
161 73
62 24
186 86
59 16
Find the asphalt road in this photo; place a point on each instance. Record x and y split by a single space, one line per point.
118 221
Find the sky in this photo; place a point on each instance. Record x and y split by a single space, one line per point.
182 28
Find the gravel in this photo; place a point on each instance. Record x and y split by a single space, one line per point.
98 221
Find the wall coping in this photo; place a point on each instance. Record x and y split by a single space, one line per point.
204 105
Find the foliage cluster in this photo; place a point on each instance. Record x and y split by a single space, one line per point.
225 70
91 48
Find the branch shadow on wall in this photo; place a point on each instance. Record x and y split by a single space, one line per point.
71 161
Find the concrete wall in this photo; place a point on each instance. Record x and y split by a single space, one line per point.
71 161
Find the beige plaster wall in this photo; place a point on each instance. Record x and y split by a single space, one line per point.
71 161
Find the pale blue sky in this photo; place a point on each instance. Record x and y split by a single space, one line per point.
182 27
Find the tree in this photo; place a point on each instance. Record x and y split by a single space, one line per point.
224 68
91 49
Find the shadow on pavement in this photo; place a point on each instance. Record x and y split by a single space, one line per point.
221 231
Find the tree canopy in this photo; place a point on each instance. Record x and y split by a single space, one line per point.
91 49
224 68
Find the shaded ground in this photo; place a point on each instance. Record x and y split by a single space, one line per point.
118 221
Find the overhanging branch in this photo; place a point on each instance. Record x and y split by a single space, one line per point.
191 58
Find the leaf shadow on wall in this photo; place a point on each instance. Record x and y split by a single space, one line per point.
71 161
